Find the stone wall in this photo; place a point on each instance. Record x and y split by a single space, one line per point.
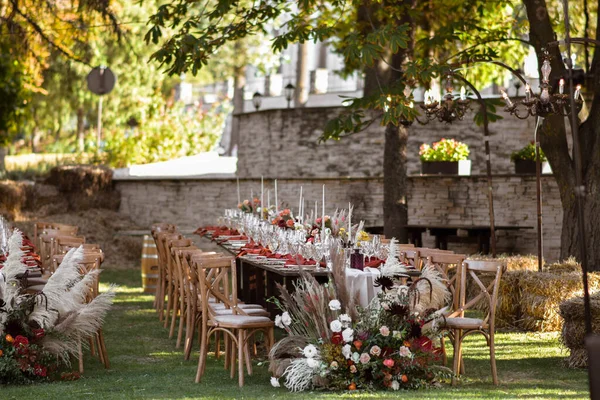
191 203
284 143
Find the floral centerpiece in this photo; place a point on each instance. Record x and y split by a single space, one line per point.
248 206
284 219
39 332
333 344
336 225
442 157
525 159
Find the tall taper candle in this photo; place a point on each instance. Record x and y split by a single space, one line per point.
262 196
238 190
323 213
349 222
276 202
300 205
268 200
315 216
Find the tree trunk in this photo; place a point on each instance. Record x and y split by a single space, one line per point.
301 92
35 139
395 210
80 130
3 152
239 81
553 140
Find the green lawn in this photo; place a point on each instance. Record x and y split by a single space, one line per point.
145 364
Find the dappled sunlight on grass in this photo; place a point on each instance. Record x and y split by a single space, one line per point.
146 365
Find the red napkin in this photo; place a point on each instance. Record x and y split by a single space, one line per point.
374 262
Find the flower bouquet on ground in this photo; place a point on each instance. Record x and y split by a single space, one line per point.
39 332
332 344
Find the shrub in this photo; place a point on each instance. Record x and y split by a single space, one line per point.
527 153
176 133
444 150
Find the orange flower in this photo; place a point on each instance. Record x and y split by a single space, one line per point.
407 343
352 386
357 344
9 339
1 353
404 378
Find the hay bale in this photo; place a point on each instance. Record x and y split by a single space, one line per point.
88 179
85 186
573 331
13 197
529 300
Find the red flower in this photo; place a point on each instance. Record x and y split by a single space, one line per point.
337 338
21 341
39 370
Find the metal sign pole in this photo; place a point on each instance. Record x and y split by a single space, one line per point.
99 132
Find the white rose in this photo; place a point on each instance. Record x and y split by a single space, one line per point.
313 363
405 352
346 351
335 305
395 385
348 335
278 322
310 351
336 326
355 357
275 382
286 319
345 320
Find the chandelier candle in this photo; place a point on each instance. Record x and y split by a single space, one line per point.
238 190
262 196
268 200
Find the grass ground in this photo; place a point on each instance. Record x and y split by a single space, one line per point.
145 365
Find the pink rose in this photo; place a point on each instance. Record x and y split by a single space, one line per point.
388 362
376 351
353 369
384 330
364 358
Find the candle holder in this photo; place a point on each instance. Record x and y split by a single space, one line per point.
544 103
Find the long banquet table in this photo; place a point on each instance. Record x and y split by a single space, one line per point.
257 283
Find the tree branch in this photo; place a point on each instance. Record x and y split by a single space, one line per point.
44 36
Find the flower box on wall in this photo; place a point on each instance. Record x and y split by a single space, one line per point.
462 167
524 167
446 157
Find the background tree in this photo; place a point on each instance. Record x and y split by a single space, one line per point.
401 45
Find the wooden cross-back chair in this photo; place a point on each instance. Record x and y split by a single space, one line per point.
448 265
185 259
40 227
237 328
49 244
460 326
219 306
174 281
163 259
91 260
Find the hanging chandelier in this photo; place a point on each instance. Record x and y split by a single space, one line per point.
448 109
544 103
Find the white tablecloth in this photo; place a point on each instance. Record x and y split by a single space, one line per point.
361 282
